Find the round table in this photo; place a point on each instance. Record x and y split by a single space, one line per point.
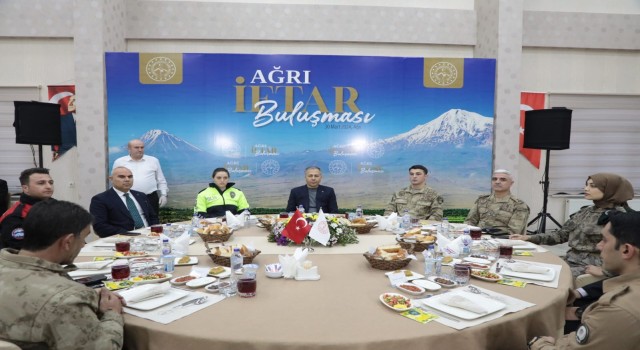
342 310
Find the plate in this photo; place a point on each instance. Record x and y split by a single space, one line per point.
428 285
476 266
150 304
213 287
474 273
167 276
526 246
176 283
477 260
193 260
143 260
414 275
489 304
435 279
545 277
403 287
200 282
129 254
225 274
398 297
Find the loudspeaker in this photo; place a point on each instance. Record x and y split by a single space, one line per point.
37 123
547 128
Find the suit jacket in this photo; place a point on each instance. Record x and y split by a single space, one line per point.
325 199
4 196
111 216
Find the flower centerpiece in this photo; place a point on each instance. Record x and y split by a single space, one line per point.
339 232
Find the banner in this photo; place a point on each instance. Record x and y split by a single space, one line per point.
363 120
65 96
530 101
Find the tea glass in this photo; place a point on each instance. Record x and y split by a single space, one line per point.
462 273
123 245
120 270
506 251
247 283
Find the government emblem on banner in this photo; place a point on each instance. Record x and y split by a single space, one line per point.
443 73
160 68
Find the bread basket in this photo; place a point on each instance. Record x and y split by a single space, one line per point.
215 237
416 247
226 260
266 223
362 229
387 265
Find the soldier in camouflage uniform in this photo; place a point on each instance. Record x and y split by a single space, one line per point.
423 202
42 308
582 230
500 210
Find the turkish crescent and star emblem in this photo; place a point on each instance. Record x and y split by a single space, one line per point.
297 228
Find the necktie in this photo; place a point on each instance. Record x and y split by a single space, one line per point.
135 214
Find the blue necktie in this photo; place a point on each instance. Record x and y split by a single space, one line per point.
135 214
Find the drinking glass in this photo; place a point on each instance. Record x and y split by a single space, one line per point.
120 270
476 234
462 273
247 283
123 245
506 251
157 229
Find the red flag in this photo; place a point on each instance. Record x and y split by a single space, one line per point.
530 101
297 228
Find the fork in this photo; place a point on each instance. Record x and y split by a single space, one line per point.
475 290
196 301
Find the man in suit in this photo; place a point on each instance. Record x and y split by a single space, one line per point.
5 197
313 196
120 209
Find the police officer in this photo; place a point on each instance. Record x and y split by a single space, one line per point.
37 186
220 196
500 210
423 202
612 322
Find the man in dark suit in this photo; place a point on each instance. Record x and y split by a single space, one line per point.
120 209
313 196
5 197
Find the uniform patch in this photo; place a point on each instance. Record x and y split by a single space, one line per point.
232 194
18 233
582 334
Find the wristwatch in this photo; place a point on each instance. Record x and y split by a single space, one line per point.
533 340
579 312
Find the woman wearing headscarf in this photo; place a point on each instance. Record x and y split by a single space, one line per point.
220 196
582 230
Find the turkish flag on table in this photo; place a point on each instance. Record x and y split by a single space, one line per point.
297 228
530 101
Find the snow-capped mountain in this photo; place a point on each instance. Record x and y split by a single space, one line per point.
454 127
159 142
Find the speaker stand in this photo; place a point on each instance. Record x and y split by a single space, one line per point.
543 215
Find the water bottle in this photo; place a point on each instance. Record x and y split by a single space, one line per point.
359 212
445 227
195 224
466 243
247 217
301 209
167 258
236 262
406 220
429 263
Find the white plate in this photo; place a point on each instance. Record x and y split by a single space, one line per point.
428 285
143 260
393 308
545 277
200 282
174 282
477 260
104 244
526 246
167 277
414 275
400 286
488 304
119 255
225 274
193 260
433 279
150 304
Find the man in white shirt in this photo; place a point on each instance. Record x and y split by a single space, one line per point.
147 173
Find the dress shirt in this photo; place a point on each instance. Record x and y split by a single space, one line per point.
147 174
124 200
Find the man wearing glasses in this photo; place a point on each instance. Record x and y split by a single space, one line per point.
499 210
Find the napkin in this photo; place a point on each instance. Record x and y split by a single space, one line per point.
463 303
146 291
452 248
528 268
180 245
92 265
389 223
290 263
234 221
